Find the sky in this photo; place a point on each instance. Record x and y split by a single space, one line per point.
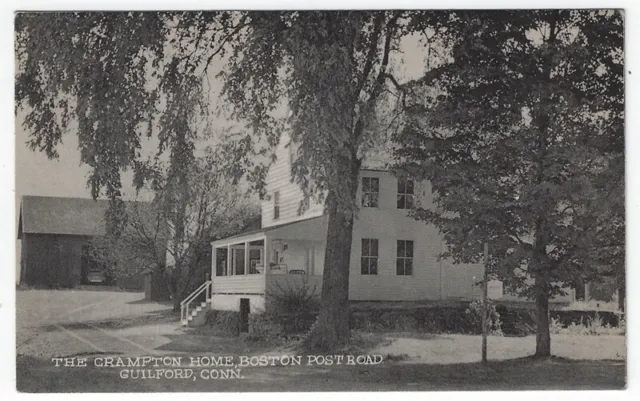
37 175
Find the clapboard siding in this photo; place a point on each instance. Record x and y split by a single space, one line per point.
279 179
432 279
285 283
245 284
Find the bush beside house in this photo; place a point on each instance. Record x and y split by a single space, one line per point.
460 319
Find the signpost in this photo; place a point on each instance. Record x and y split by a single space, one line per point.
485 291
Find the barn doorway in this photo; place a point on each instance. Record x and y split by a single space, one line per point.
244 315
91 270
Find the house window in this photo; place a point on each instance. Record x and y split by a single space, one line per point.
238 261
369 259
276 205
405 193
370 191
221 262
255 259
404 260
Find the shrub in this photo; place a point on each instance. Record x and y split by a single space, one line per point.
555 327
595 325
405 323
587 326
298 299
291 311
474 313
463 319
262 328
516 321
223 323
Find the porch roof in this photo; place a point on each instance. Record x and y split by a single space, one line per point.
295 229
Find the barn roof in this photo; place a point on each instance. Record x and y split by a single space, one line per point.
58 215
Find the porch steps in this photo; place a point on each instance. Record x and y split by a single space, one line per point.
198 316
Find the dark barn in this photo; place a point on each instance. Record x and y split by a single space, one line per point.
55 234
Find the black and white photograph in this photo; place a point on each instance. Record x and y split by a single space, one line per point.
320 200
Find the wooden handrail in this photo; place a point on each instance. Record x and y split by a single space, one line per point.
195 293
184 305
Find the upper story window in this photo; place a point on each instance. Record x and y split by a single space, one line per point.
369 258
370 191
404 259
276 205
405 193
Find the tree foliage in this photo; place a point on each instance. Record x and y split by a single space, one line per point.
90 68
320 76
211 207
133 90
521 136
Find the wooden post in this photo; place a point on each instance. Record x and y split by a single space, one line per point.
246 258
229 259
265 257
214 262
485 309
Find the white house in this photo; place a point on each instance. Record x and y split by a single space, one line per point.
393 256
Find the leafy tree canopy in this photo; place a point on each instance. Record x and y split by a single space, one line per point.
521 136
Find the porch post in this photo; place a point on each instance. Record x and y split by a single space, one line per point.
266 260
246 258
214 264
229 267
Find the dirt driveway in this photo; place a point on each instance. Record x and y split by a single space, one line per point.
66 323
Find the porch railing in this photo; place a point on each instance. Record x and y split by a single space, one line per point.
186 303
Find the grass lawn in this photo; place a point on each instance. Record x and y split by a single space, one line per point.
455 348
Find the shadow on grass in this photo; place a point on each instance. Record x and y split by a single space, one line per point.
518 374
417 335
145 301
38 375
208 344
83 287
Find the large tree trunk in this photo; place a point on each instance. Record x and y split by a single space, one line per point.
331 330
541 267
543 337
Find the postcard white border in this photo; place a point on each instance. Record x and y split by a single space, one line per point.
7 173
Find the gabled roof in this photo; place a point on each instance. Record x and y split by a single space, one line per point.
58 215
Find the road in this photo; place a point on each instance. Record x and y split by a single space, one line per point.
66 323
